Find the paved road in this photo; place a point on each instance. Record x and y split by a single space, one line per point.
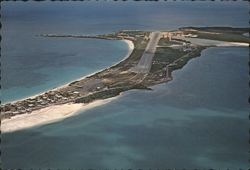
145 62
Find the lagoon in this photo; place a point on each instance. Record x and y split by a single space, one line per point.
33 64
198 120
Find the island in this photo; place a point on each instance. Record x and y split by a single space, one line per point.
154 56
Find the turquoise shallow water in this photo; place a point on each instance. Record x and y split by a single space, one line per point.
32 64
54 62
198 120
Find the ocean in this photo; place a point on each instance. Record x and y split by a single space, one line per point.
198 120
33 64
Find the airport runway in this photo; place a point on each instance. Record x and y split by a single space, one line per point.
145 62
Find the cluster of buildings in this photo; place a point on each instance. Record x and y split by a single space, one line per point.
169 35
177 34
28 105
64 96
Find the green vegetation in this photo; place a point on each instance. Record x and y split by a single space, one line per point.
224 37
174 58
107 36
135 33
139 47
166 42
119 78
108 93
101 95
219 29
219 33
184 59
165 55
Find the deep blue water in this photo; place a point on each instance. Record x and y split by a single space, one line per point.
198 120
33 64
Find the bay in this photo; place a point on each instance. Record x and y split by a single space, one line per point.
32 64
198 120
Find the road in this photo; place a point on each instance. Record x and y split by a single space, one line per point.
144 65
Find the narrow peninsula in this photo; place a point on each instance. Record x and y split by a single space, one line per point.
154 57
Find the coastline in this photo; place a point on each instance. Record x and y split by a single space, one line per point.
48 115
130 45
61 111
233 44
56 112
208 42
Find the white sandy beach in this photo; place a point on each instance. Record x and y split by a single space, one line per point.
53 113
235 44
206 42
39 117
60 112
130 50
47 115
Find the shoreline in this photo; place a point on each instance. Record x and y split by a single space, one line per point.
130 45
48 115
55 113
233 44
61 111
217 43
